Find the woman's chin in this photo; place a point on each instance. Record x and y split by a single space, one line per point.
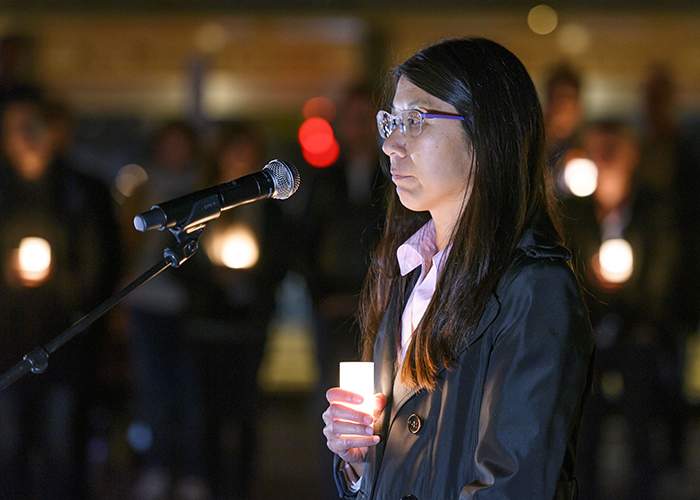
408 200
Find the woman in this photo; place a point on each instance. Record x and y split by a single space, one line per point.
471 313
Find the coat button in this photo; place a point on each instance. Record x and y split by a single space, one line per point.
414 423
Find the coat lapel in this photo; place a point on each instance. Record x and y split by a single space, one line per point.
402 393
385 350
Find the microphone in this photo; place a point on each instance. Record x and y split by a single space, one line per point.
277 179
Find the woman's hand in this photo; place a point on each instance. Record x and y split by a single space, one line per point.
349 432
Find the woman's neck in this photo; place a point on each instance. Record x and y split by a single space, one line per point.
444 225
447 214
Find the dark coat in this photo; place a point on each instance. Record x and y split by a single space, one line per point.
502 423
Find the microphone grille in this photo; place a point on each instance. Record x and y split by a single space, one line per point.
285 178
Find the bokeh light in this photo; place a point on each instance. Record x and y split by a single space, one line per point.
581 176
573 39
139 436
319 106
324 159
316 135
33 260
129 178
235 248
542 19
318 144
616 260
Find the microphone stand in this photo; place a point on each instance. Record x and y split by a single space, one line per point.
37 361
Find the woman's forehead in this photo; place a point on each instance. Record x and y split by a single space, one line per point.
410 96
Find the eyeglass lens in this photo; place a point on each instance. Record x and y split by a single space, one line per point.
409 122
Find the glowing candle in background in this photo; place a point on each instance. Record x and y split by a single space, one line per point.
616 260
33 260
358 377
581 176
235 248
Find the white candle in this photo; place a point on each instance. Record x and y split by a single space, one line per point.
358 377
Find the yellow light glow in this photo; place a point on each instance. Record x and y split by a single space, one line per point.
33 260
612 385
211 38
235 248
691 384
542 19
573 39
358 377
616 260
581 176
129 178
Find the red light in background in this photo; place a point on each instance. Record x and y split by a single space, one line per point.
318 144
324 159
319 106
316 135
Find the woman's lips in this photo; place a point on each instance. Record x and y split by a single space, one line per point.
398 177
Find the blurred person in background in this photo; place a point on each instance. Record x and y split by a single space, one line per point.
659 170
232 283
563 112
344 219
59 255
687 187
660 132
624 244
168 399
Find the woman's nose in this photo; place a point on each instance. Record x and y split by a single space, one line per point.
395 144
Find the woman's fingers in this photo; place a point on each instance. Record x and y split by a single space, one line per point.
336 411
341 445
338 395
338 427
348 431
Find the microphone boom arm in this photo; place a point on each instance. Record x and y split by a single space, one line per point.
37 361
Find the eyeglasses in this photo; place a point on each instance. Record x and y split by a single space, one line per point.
409 122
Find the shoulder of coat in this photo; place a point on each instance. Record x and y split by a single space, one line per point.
527 271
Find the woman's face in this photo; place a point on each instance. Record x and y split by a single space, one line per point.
430 171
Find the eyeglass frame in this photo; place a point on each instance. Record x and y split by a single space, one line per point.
423 115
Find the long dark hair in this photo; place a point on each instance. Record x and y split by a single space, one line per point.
511 189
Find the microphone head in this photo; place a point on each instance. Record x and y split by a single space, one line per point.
285 178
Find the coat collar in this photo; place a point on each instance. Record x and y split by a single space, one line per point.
538 241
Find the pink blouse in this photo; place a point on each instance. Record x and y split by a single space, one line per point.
419 250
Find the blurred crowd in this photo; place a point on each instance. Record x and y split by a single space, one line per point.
635 245
180 358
